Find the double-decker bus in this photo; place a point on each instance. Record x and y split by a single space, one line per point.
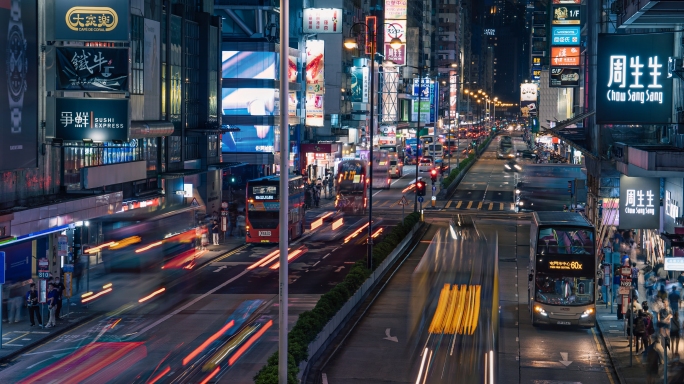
562 269
263 207
351 187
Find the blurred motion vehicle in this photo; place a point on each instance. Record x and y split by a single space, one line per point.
527 154
436 150
381 169
137 245
396 168
450 147
393 150
425 164
562 269
263 207
512 166
505 148
351 186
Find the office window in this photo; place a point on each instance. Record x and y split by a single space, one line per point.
137 54
191 96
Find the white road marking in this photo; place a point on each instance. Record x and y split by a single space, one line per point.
326 255
193 302
324 378
316 263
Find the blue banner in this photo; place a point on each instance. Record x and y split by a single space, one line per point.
565 36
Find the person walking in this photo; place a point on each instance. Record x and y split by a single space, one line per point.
675 328
635 276
652 364
14 305
664 317
52 305
215 232
674 298
59 286
639 331
241 224
32 304
325 186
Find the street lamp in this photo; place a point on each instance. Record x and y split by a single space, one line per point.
350 43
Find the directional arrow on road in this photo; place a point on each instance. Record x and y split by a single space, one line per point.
388 337
565 361
340 268
220 268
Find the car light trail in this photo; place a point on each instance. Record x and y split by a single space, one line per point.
210 340
107 286
249 343
338 223
95 296
143 249
227 349
160 375
151 295
319 222
83 296
265 260
99 247
458 310
211 375
377 233
356 233
291 257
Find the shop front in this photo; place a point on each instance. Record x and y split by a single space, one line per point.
320 159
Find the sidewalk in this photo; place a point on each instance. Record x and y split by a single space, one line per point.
613 333
19 338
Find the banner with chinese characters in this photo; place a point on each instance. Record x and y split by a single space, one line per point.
360 83
565 36
453 94
565 56
395 28
322 20
19 85
632 84
565 15
639 202
424 101
94 119
563 77
101 20
92 69
315 82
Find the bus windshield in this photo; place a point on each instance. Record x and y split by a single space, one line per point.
564 289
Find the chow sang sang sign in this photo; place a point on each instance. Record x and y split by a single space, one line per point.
639 202
632 85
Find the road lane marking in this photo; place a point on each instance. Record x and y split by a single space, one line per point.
500 206
458 206
191 303
470 204
316 263
490 206
448 204
376 193
479 205
328 254
599 348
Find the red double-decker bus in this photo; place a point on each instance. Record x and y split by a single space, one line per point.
352 186
263 207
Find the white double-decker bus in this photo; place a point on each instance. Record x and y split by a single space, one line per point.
562 279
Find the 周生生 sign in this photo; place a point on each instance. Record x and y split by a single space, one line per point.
101 20
639 202
94 119
632 85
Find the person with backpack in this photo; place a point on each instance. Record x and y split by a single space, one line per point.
648 323
639 331
325 186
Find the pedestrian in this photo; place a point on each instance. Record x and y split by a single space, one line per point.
317 196
635 276
662 294
52 305
14 305
241 224
673 297
664 317
675 327
78 274
639 331
32 304
652 364
215 232
59 286
325 186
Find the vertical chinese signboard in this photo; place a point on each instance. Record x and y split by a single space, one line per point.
322 20
639 202
395 28
528 99
315 82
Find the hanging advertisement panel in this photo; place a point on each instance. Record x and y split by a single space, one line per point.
152 70
565 36
424 101
565 15
315 82
249 65
101 20
92 69
94 119
322 20
632 84
639 202
360 82
453 94
19 84
528 91
395 9
564 77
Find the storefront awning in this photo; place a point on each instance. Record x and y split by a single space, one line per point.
577 141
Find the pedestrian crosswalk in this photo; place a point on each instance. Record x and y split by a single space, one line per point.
478 205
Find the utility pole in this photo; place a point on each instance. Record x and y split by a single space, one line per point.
284 191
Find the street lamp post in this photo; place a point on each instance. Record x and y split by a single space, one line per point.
351 43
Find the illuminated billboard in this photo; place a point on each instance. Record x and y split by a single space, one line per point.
565 56
322 20
249 65
395 28
315 82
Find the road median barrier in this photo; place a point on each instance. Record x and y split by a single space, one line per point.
311 333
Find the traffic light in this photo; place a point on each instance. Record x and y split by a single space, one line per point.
433 175
420 188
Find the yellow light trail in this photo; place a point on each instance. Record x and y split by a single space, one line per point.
458 310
